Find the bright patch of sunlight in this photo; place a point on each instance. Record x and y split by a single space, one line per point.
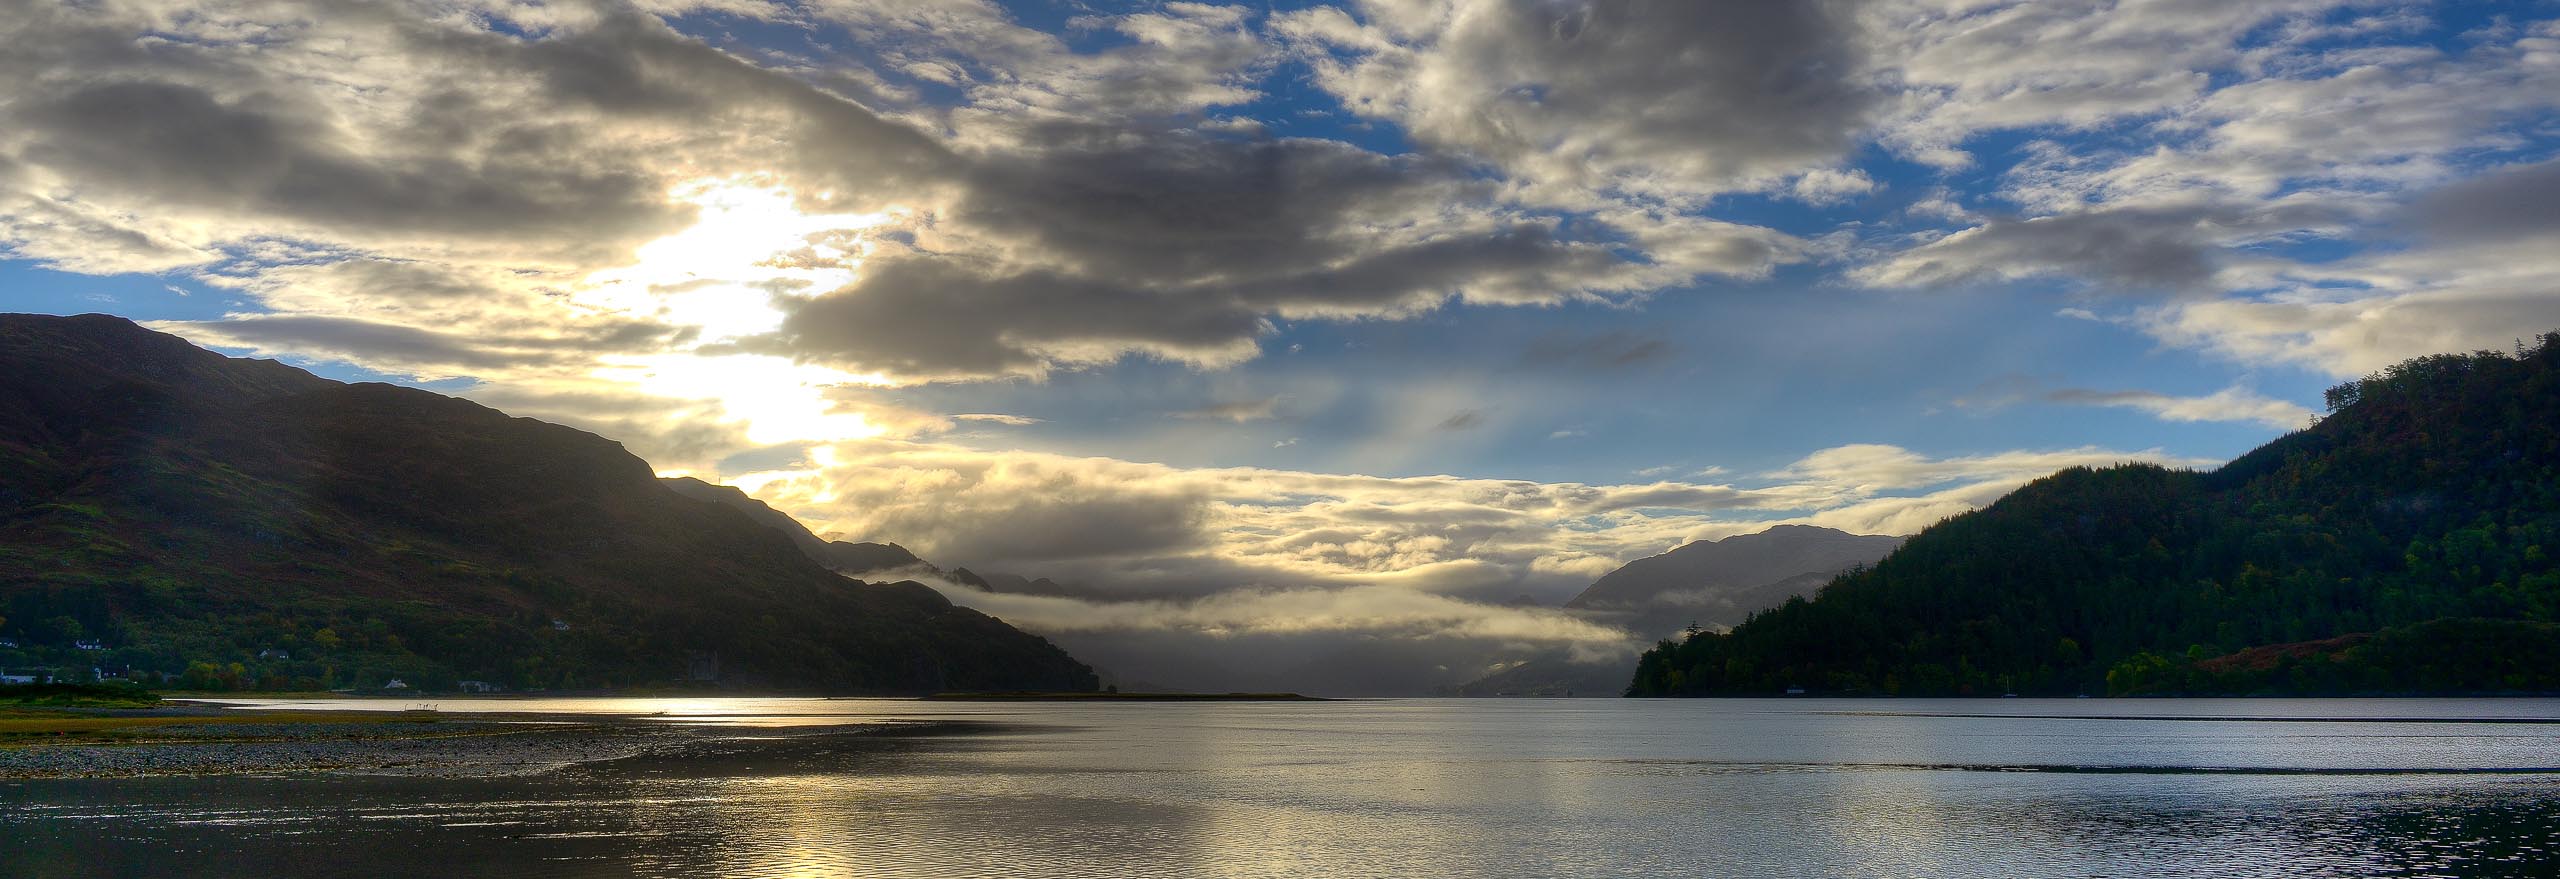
778 400
720 275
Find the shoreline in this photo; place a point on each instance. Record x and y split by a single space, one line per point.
204 740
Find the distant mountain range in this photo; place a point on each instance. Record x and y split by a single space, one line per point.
2409 543
1717 583
1711 584
166 508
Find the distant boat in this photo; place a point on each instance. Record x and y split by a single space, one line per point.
1795 691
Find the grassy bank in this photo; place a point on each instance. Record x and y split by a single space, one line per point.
76 696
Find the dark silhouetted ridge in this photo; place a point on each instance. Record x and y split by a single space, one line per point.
2406 544
177 509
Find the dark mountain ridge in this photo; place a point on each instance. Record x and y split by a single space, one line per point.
2420 517
167 508
843 557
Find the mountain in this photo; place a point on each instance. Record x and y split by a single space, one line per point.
1549 676
177 510
2419 520
1732 577
1708 584
843 557
1016 584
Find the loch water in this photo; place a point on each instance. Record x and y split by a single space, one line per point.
1401 788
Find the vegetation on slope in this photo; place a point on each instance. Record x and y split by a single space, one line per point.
2422 510
234 524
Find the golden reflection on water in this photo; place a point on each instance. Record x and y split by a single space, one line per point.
1421 788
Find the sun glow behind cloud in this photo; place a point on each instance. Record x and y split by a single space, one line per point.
719 276
721 273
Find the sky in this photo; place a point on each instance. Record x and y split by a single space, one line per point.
1311 324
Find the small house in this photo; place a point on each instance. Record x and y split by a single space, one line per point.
273 653
395 684
89 645
478 687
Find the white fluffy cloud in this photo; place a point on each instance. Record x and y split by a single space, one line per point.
2228 404
2262 127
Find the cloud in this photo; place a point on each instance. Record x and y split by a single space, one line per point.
1598 351
1825 186
1865 469
393 130
2476 273
1686 99
1968 67
416 351
1237 411
2503 205
1184 246
2228 404
2272 138
1468 419
2177 251
1151 529
996 418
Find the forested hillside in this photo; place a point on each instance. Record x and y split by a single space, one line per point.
2419 518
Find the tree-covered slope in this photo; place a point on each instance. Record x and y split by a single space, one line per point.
177 509
2430 493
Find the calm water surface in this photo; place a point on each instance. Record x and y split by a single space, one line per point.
1421 788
